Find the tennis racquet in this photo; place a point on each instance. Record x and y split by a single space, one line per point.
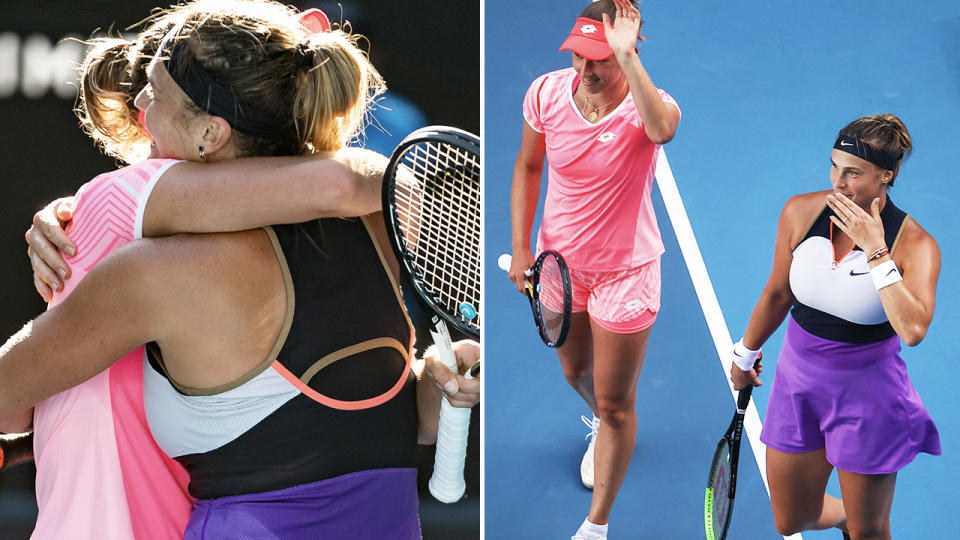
722 482
431 203
549 293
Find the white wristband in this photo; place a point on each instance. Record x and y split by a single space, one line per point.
885 274
743 357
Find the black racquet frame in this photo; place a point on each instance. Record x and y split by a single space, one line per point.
533 295
430 299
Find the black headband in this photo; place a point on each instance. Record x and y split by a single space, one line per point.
214 98
864 151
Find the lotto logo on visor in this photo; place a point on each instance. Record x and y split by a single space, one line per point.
588 40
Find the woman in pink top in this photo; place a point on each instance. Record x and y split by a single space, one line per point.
599 125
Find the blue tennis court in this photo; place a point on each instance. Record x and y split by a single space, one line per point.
764 88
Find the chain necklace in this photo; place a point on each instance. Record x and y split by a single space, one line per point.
594 115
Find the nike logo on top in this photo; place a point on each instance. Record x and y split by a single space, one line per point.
588 29
845 143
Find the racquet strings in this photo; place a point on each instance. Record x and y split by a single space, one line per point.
437 196
720 486
550 299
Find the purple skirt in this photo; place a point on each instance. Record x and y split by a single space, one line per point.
854 399
378 504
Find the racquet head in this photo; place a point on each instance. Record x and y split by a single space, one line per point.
551 298
717 504
431 203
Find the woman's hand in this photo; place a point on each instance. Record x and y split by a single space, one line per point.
46 240
866 230
460 391
521 262
742 379
623 33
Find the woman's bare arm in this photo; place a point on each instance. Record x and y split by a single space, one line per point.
253 192
524 195
109 314
230 196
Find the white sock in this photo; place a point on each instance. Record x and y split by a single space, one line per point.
592 528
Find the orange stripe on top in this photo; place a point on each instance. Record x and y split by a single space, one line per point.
341 404
836 261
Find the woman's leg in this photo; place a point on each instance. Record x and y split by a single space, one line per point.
618 361
867 499
576 357
798 484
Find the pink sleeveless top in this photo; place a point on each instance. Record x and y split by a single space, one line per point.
99 472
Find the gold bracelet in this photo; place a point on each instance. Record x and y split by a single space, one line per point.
880 252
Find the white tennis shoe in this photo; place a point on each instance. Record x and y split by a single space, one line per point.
586 464
587 536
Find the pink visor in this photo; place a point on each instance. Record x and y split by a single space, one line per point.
588 40
314 21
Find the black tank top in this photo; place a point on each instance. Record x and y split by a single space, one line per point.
344 341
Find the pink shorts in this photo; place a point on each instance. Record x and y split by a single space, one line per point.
624 301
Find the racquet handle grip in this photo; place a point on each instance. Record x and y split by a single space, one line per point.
447 484
743 397
444 345
505 260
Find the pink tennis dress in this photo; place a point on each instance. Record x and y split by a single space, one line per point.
100 475
598 212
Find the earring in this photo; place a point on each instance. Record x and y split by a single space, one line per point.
201 152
